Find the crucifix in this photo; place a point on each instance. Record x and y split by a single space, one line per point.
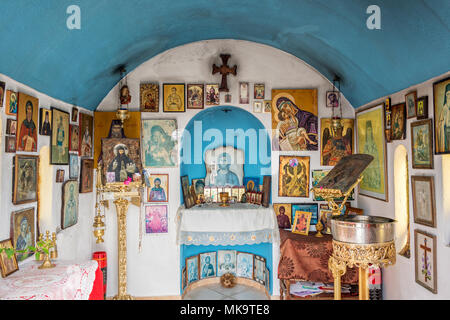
224 70
425 249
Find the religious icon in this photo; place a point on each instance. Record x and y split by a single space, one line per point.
207 264
86 175
337 141
173 97
159 188
228 98
267 106
293 176
411 102
422 144
387 118
125 97
398 127
259 91
301 222
69 208
212 95
60 175
294 120
7 265
199 185
74 116
192 269
332 99
251 183
74 137
259 272
149 97
187 196
106 125
257 106
424 200
59 141
284 215
11 127
45 123
27 118
422 108
244 93
195 96
306 207
23 232
159 143
10 144
244 263
11 103
25 172
226 262
441 94
86 125
156 218
224 167
183 279
425 260
317 176
2 93
121 159
73 166
371 140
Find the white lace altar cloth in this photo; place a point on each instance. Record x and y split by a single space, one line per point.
238 224
67 281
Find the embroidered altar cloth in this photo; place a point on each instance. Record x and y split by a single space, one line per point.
66 281
237 224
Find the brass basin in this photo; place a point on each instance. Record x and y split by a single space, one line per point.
362 229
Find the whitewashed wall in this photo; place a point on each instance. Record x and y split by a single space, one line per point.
155 270
73 243
399 280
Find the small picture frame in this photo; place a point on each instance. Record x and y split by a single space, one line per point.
422 108
212 94
301 222
74 168
186 189
259 91
398 126
423 196
74 137
174 97
422 144
244 263
59 175
195 96
267 106
11 127
183 279
158 191
284 215
74 116
192 269
411 104
332 99
7 265
156 219
425 260
86 175
257 106
244 93
149 97
259 270
228 98
208 264
10 144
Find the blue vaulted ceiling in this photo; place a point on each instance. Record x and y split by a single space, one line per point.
81 66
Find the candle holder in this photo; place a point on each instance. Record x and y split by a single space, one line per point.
46 245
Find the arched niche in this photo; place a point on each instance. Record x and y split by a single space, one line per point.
225 126
401 193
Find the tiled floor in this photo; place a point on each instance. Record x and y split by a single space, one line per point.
217 292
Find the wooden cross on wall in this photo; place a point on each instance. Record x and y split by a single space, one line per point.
224 70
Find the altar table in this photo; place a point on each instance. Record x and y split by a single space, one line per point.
237 224
68 280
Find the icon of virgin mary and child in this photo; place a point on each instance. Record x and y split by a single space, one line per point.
296 129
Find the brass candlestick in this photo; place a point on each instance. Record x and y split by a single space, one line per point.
47 244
